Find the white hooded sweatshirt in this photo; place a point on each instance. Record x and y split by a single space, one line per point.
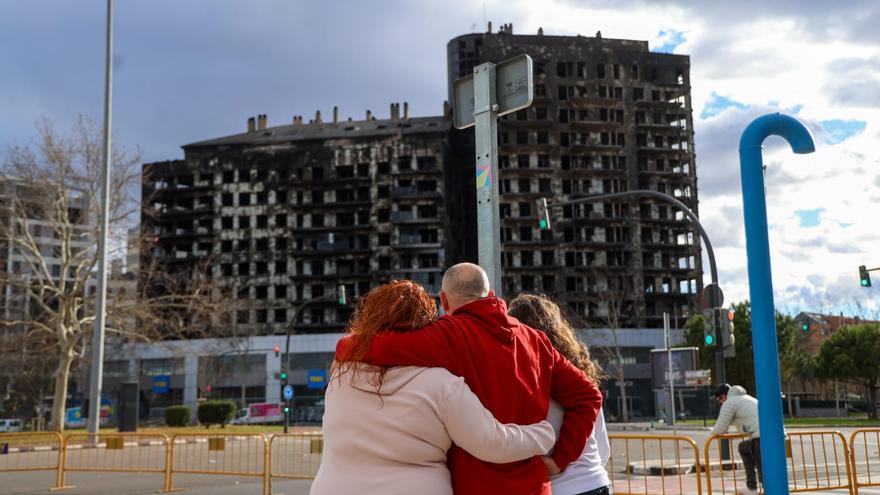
741 409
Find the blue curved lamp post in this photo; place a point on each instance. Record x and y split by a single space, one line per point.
764 344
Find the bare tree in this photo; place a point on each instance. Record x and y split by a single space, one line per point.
49 227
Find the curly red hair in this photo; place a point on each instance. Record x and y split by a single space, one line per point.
398 306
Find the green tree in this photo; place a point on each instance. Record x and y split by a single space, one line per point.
852 353
741 369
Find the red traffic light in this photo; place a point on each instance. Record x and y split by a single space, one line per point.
277 350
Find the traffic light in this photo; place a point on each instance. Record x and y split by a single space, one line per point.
543 214
727 332
805 327
286 409
864 278
709 327
341 294
277 350
283 376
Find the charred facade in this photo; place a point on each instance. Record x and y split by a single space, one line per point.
285 214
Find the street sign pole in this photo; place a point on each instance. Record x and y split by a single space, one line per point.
486 137
478 100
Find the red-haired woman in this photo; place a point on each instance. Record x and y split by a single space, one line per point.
387 430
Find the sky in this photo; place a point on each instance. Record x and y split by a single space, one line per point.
187 71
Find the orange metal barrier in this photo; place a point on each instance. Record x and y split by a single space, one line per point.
295 455
864 449
118 453
33 452
727 470
654 464
817 461
239 454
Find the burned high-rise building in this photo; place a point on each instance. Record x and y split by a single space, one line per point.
608 116
285 213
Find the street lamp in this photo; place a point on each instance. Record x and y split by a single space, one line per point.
339 295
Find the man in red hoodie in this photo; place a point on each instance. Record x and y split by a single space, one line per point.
512 368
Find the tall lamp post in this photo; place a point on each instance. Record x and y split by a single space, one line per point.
764 343
340 297
100 306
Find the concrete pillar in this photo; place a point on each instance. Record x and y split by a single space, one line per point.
273 366
191 381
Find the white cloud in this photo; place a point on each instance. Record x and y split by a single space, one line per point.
794 58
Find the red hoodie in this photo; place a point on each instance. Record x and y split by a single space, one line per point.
514 370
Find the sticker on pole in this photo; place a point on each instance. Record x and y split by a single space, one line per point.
287 392
514 90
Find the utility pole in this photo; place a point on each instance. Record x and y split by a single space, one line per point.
95 384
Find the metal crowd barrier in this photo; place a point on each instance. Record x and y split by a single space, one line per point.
295 455
42 451
654 464
817 461
814 465
864 449
236 454
116 453
726 469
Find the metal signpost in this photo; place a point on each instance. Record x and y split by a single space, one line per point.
478 100
764 344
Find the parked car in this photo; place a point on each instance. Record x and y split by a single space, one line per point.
261 412
10 425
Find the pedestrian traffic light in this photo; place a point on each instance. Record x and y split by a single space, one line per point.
864 277
543 214
341 294
709 327
277 350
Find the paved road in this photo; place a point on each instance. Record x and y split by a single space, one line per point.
812 454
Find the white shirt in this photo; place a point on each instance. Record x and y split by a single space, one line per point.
587 472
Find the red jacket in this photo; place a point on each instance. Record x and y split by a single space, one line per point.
514 370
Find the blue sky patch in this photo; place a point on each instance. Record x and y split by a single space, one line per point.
670 39
839 130
717 103
809 218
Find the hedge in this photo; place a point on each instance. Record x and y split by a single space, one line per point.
178 416
216 412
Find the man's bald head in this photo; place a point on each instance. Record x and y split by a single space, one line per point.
463 283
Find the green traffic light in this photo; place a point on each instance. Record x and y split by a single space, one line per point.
864 283
543 224
284 376
286 409
805 327
710 340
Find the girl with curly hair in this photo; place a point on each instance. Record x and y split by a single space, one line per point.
586 475
387 430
